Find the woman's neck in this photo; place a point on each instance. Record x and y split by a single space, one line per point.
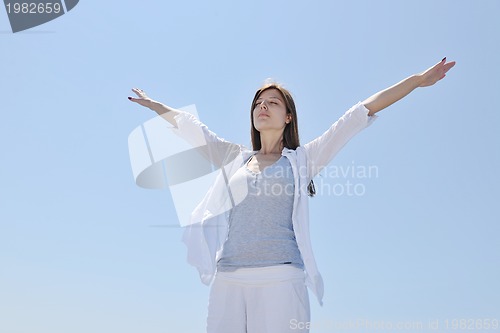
271 143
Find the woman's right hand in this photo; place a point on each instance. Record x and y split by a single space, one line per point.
142 98
161 109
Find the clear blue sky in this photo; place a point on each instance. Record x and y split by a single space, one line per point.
82 248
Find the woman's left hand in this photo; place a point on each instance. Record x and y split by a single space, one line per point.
435 73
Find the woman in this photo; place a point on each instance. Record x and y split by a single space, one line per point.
258 255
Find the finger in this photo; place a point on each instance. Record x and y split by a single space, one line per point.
449 66
437 66
138 92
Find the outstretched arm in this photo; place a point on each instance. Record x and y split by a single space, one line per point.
384 98
166 112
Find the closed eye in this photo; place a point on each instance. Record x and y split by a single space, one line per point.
272 101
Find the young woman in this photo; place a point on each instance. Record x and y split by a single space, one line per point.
257 255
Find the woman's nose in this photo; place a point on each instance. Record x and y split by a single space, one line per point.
263 105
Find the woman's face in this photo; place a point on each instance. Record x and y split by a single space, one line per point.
269 112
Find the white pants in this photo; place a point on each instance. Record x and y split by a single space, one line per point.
258 300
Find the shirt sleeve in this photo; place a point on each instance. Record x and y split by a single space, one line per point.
214 148
323 149
193 130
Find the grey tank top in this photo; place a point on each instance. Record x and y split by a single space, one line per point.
260 225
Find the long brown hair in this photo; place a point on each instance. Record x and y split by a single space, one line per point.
290 133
